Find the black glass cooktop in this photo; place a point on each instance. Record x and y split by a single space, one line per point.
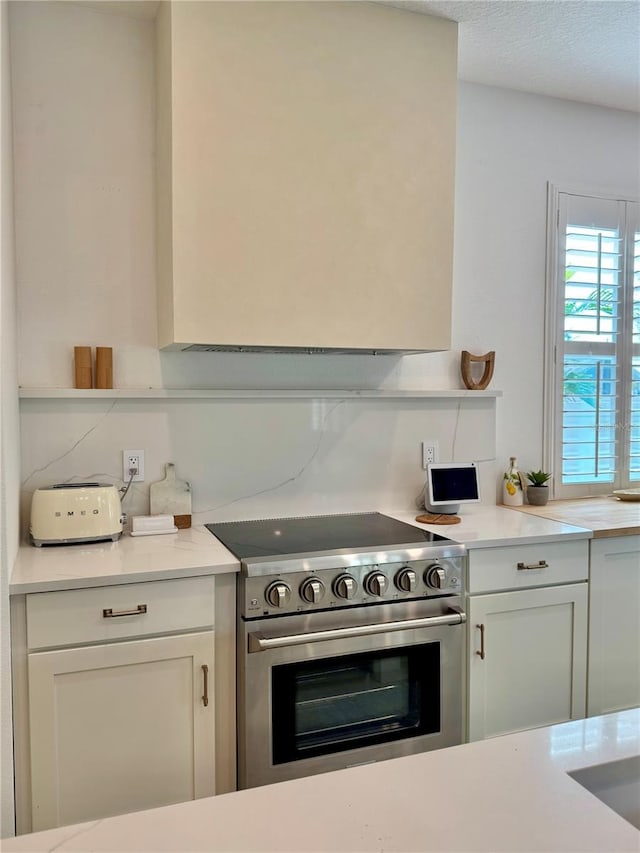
276 537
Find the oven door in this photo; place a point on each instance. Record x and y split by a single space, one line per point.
330 690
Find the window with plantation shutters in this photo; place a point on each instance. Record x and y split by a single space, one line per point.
593 334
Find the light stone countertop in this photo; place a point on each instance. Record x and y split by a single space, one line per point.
187 553
509 793
196 551
484 526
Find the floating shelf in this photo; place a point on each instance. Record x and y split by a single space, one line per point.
235 394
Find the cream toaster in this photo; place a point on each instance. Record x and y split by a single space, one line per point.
75 512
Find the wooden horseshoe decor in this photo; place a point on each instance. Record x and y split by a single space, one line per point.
488 359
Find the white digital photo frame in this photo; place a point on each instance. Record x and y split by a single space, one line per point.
450 484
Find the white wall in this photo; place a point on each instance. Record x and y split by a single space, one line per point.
83 125
9 425
509 145
85 264
83 84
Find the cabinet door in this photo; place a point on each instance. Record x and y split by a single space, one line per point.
121 727
527 659
614 625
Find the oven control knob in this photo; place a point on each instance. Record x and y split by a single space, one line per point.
277 594
435 577
406 580
376 583
345 586
312 590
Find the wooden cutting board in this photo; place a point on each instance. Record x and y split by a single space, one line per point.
171 496
437 518
605 516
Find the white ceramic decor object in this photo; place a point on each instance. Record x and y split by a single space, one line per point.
148 525
171 496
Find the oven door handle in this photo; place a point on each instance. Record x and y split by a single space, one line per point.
259 643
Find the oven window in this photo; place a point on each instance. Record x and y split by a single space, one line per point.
345 702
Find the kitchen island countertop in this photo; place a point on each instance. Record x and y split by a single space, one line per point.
510 793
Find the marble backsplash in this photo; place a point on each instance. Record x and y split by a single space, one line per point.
258 456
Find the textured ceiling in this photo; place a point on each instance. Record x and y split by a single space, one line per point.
583 50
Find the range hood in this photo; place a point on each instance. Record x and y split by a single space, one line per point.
305 180
296 350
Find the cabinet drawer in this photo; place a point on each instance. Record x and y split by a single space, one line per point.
515 566
99 614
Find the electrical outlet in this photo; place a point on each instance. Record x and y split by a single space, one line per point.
429 452
133 459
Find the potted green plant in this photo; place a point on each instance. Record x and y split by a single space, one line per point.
538 491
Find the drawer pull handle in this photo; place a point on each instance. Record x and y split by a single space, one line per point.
481 653
205 678
108 613
541 564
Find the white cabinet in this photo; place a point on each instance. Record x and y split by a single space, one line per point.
534 666
121 727
527 644
120 699
614 625
305 176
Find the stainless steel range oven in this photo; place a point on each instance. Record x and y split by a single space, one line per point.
350 642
